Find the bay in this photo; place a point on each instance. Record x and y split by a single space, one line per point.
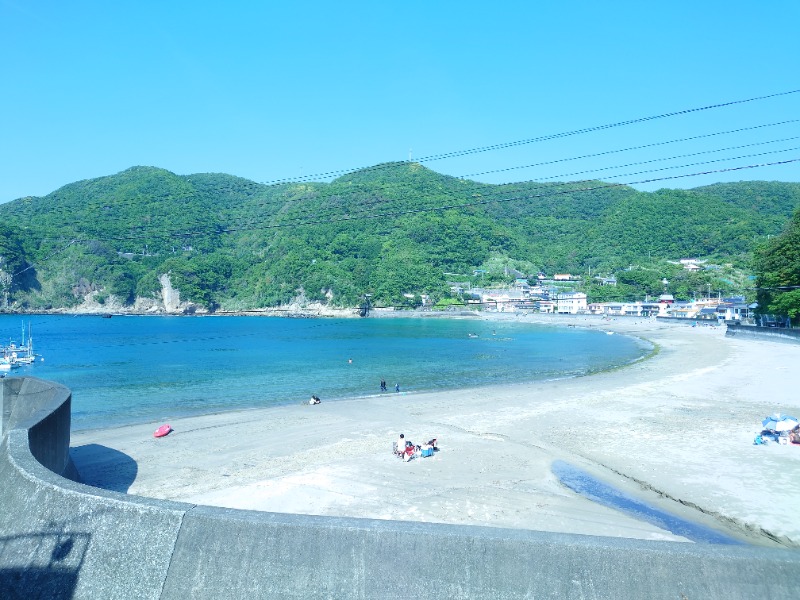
131 369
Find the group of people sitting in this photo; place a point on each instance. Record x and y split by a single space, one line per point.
407 450
784 437
794 435
314 399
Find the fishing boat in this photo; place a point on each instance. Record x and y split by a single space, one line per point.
17 355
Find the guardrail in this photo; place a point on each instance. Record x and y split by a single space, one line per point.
63 539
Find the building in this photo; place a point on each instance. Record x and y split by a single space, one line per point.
571 303
735 309
502 300
545 306
629 309
607 280
522 285
692 264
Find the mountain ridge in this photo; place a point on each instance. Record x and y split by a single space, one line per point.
391 230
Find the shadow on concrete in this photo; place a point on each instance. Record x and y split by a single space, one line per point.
41 565
37 583
104 467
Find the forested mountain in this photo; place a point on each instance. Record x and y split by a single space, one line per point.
389 230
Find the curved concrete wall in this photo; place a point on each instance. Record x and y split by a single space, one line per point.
62 539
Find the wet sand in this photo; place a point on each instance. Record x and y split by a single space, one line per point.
675 430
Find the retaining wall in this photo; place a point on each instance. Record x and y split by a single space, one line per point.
62 539
774 334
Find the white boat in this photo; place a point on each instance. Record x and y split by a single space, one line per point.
8 362
15 356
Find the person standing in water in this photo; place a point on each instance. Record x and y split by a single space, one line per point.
383 385
396 387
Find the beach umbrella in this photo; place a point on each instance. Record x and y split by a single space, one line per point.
779 422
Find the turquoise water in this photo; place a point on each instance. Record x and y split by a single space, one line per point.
140 369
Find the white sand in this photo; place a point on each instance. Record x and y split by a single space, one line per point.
675 430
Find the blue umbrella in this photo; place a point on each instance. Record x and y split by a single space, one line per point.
779 422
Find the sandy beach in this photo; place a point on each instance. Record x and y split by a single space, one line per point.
675 430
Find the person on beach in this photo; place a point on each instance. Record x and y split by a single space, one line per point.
400 445
794 436
396 387
411 449
427 449
383 385
404 448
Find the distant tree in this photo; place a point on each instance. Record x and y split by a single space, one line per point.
610 293
777 265
644 281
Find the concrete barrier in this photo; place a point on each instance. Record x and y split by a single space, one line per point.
62 539
773 334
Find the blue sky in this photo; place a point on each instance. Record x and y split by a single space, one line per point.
269 91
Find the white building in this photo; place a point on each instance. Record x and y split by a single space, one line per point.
502 300
629 309
571 303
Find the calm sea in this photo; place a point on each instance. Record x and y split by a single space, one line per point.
139 369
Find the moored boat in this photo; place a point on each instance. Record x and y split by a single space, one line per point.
17 355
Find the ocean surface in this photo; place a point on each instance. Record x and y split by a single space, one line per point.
130 369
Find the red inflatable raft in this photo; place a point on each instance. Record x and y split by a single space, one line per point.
162 431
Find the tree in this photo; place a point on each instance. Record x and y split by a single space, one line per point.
777 265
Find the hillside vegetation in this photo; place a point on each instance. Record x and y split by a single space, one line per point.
391 231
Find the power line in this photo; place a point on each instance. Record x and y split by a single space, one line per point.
368 206
483 201
481 187
45 259
359 214
367 210
542 138
642 147
682 156
529 197
478 185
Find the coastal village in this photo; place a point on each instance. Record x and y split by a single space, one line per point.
551 295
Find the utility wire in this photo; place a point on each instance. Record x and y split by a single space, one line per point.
369 206
644 162
45 259
483 201
542 138
642 147
367 210
528 197
549 137
482 187
283 203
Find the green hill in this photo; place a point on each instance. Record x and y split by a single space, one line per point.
390 230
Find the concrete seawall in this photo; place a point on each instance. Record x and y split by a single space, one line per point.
62 539
773 334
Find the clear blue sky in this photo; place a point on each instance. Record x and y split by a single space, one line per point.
269 91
